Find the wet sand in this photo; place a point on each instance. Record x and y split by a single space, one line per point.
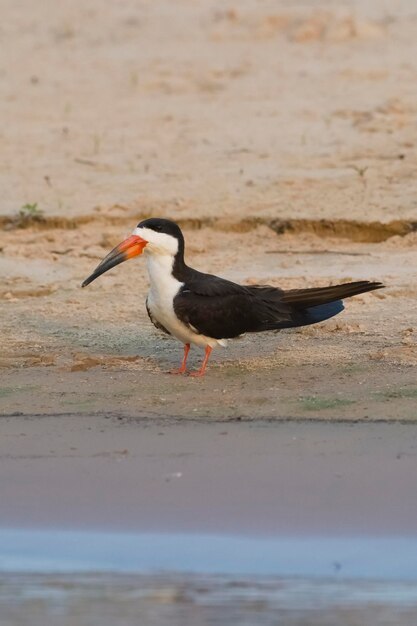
181 600
107 474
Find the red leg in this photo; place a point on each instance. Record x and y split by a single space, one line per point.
202 369
182 369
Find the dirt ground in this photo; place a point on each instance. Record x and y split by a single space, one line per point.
281 135
68 350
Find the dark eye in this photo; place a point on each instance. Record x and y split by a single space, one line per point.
158 228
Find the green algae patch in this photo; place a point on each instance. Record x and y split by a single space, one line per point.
397 393
320 403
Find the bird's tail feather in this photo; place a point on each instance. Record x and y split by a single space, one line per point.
311 306
320 313
317 296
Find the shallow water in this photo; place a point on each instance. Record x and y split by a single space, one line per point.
73 578
388 558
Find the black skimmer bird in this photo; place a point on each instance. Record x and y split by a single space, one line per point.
206 310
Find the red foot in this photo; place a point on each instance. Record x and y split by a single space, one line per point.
197 374
178 370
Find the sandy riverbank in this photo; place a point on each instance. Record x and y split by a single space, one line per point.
283 139
68 350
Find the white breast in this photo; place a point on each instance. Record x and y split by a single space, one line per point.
164 288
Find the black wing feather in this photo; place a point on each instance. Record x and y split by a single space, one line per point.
210 285
222 309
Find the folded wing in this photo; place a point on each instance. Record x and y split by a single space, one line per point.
222 309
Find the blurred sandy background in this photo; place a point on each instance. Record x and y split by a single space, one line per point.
208 108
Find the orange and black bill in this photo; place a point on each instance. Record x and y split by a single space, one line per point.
130 247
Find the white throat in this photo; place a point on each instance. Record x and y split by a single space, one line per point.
164 287
159 268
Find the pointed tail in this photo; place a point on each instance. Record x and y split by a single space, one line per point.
307 298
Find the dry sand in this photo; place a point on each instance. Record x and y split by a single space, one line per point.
206 109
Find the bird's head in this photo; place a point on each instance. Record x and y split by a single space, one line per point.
154 236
